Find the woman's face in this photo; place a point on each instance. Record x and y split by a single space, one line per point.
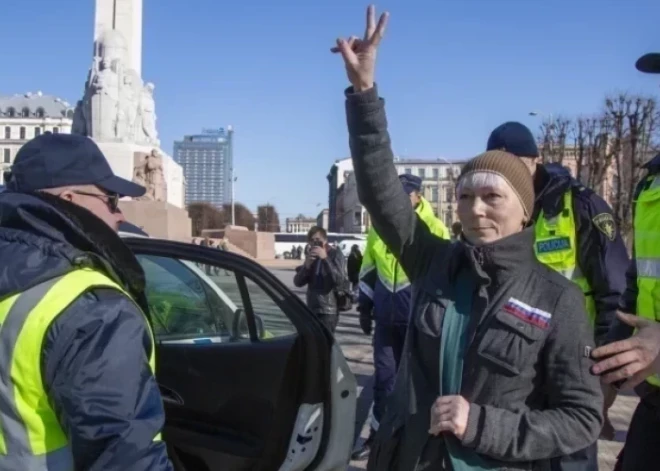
488 208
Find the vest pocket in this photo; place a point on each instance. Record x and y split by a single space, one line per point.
510 343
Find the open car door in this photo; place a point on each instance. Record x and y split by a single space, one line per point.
250 379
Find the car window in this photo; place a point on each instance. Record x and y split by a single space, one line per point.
192 302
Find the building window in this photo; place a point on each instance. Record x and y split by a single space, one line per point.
25 113
22 133
422 173
56 130
434 194
6 158
11 112
7 132
448 219
37 131
41 113
436 173
408 171
449 194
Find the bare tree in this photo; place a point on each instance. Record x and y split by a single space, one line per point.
633 140
552 140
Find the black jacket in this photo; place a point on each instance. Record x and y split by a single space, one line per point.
353 266
531 395
600 254
322 279
95 356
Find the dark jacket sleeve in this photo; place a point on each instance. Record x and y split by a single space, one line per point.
379 188
301 278
334 263
602 257
98 378
572 418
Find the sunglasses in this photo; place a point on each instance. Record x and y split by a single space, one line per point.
112 200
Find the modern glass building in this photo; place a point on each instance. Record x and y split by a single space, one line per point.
207 161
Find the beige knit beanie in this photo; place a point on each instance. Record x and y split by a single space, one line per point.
509 167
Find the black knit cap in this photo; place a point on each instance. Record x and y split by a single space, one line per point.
514 138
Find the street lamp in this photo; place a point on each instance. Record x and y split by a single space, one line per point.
232 180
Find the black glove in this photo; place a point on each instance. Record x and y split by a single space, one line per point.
365 320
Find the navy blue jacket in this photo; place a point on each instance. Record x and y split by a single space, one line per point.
95 356
600 257
628 301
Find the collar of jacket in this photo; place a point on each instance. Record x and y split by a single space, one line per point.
653 165
424 210
499 259
56 236
551 181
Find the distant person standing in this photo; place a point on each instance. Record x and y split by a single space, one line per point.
323 273
353 267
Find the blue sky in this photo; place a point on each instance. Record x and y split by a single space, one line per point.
451 70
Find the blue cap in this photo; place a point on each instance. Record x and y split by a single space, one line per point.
57 160
514 138
410 183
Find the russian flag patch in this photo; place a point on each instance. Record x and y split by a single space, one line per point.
527 313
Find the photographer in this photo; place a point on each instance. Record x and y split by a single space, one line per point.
323 273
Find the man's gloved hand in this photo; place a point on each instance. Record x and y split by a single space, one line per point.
366 320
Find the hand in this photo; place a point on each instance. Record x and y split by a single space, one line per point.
309 261
633 359
365 321
319 252
360 54
450 414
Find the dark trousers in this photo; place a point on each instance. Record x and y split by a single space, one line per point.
583 460
642 449
330 321
388 348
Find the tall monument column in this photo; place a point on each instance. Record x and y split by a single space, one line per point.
124 16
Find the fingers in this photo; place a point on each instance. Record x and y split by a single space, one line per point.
636 379
633 321
614 348
623 373
616 361
371 22
345 50
380 29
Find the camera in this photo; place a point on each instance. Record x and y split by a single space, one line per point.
317 243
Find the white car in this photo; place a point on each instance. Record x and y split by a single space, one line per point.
250 378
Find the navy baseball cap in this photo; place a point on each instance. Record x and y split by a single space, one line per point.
57 160
410 183
514 138
649 63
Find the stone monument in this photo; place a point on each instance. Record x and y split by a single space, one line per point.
118 111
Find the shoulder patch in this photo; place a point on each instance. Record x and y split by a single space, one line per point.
605 224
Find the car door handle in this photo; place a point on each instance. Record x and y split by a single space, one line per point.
170 396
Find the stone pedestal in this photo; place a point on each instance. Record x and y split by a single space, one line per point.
159 219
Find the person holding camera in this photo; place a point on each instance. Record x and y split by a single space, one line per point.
323 273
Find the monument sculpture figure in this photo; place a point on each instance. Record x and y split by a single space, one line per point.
117 110
149 173
117 106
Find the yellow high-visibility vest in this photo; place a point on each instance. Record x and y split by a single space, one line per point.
647 253
556 247
31 437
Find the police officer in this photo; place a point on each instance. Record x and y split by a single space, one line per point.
384 297
576 235
635 360
77 388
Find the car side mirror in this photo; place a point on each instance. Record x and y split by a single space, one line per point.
239 326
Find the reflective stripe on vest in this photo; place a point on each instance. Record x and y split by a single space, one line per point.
647 253
556 247
31 437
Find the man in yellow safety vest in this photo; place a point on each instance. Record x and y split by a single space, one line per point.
635 360
77 388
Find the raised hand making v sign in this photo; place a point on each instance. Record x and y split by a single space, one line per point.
360 54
